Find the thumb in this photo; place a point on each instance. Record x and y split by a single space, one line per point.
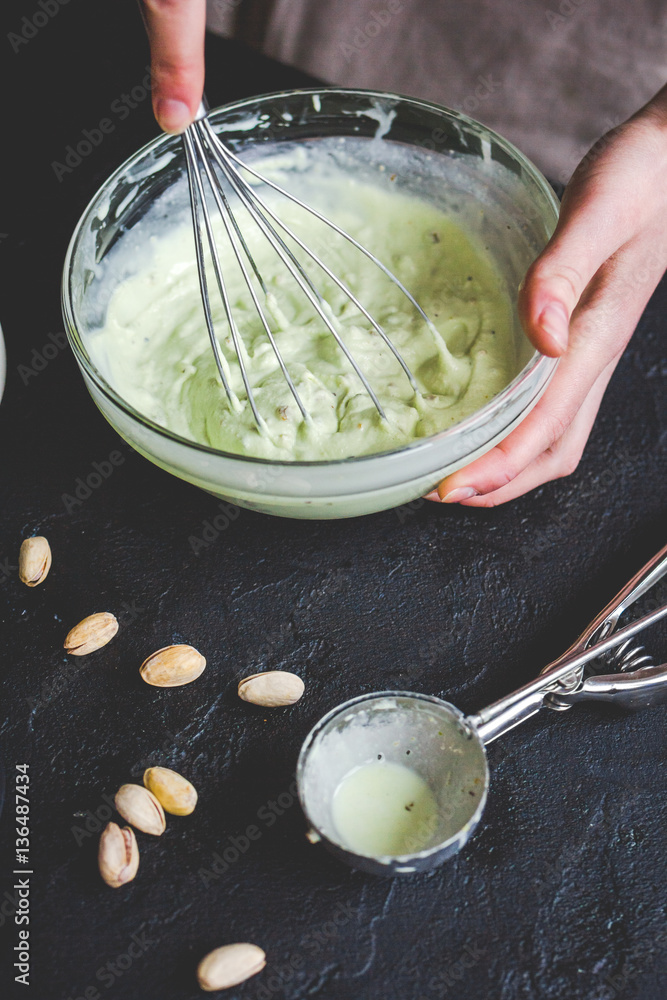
586 236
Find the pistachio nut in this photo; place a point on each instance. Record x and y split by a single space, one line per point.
140 808
230 965
173 666
34 560
118 855
174 792
271 689
90 634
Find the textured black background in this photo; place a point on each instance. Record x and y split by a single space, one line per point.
561 893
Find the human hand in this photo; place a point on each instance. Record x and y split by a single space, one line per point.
176 34
581 299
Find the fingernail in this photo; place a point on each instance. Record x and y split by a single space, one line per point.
555 322
173 116
433 495
462 493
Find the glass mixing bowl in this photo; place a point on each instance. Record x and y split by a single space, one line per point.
471 170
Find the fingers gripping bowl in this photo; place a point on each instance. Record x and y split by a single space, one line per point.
448 162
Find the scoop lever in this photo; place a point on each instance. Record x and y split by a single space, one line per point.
638 689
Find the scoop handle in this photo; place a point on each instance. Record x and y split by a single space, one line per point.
563 677
518 706
606 621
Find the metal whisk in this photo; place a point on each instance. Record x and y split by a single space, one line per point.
208 162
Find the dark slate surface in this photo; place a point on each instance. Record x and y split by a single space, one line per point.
560 894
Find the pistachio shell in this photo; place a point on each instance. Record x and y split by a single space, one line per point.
174 792
140 808
271 689
173 666
90 634
118 855
230 965
34 560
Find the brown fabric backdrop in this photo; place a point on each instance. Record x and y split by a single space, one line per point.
551 75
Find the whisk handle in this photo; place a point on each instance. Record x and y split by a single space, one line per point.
202 110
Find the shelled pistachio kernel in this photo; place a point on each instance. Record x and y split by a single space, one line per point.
173 666
34 560
271 689
230 965
174 792
139 807
118 855
90 634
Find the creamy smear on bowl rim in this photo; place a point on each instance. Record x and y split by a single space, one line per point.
153 346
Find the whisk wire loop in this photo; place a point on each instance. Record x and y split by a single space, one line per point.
254 206
218 145
205 155
234 233
221 153
197 199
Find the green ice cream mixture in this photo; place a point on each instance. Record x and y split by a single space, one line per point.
155 351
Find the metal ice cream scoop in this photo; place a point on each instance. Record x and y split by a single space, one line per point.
447 749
